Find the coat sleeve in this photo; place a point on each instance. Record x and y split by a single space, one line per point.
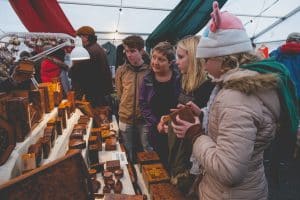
118 80
228 158
146 111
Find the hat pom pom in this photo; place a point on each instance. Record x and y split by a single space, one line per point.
216 17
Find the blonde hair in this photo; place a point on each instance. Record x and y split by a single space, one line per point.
195 75
236 60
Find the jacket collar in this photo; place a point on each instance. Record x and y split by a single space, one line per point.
247 81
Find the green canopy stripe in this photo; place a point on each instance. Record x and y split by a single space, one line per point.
187 18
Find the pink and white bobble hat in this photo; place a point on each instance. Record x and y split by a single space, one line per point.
226 36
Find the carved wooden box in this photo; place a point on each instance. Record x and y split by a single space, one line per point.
36 97
154 173
7 140
17 109
124 197
147 158
184 113
49 97
165 191
64 178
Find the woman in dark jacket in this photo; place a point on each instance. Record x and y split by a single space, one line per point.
158 94
195 87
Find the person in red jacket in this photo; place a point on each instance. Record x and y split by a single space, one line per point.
52 65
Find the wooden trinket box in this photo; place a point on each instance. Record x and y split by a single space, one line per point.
185 113
51 122
93 154
109 196
64 178
165 191
96 132
99 167
111 144
37 150
113 165
59 126
17 109
81 127
36 97
28 162
147 158
46 145
49 96
71 100
3 98
154 173
93 140
77 134
83 119
50 131
77 144
7 140
118 187
62 115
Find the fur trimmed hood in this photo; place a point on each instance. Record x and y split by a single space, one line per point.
247 81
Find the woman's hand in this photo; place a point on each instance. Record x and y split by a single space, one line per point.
182 126
195 109
178 107
162 126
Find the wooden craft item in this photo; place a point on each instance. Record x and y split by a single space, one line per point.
148 157
77 134
185 113
113 165
62 115
18 116
119 173
59 126
7 140
77 144
165 191
28 162
111 144
46 145
99 167
50 131
37 150
154 173
64 178
36 97
93 154
118 187
124 196
80 127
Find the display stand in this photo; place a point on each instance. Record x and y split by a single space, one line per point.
61 143
13 166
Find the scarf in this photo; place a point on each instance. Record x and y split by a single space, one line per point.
286 90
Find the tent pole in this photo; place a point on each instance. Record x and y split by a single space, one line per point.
293 12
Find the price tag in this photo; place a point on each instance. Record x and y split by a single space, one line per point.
120 156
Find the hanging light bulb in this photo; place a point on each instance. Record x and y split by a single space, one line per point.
79 52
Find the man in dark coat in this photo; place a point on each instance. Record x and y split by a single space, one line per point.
92 78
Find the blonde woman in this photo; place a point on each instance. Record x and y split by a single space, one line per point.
195 87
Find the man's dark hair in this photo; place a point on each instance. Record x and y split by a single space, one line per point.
134 42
